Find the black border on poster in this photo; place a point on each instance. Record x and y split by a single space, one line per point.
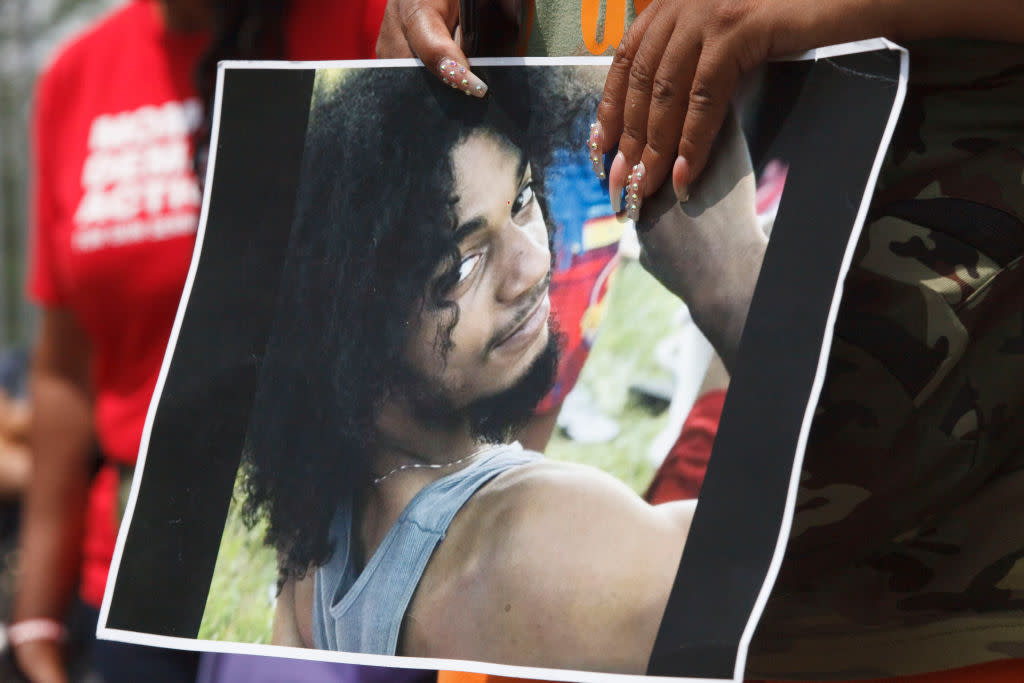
181 488
189 472
752 461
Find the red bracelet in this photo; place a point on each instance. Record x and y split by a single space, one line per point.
30 630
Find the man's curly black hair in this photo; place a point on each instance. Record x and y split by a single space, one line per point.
374 222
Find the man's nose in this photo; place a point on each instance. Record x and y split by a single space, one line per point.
526 261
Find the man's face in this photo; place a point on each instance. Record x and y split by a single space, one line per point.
502 289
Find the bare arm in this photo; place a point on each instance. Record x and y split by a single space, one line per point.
708 251
293 614
553 565
61 438
286 630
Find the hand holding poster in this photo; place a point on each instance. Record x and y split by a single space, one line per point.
367 324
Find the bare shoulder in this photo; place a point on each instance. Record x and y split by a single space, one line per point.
553 564
581 520
549 487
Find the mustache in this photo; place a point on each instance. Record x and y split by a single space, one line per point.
531 299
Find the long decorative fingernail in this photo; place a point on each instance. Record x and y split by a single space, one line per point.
679 171
461 78
635 191
616 175
594 150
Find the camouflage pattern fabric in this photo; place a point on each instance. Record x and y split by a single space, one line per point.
907 548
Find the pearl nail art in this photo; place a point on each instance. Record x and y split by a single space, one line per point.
459 77
635 191
594 150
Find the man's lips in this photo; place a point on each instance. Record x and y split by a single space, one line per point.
529 321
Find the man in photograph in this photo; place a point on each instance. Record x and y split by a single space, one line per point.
412 338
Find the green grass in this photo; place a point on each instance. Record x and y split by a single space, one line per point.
639 314
240 605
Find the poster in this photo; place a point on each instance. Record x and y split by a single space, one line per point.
367 333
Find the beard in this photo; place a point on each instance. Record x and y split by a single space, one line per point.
494 418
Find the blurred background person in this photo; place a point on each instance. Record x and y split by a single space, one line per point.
120 126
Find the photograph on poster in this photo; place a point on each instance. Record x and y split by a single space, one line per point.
410 347
430 398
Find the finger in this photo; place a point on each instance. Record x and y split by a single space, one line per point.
609 111
669 101
430 37
594 150
637 104
391 42
713 84
635 182
637 101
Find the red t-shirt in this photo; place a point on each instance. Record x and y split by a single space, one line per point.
116 205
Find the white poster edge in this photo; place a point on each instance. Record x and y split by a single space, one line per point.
103 632
819 375
392 661
147 429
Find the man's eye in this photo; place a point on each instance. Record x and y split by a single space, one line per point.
467 266
524 199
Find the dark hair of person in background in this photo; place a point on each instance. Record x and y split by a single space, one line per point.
374 224
242 29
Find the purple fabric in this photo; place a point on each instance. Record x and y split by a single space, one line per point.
226 668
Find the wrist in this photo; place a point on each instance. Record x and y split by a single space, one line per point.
720 311
813 24
906 20
40 661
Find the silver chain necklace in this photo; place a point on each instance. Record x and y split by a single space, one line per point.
431 466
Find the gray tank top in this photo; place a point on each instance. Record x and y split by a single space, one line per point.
363 612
